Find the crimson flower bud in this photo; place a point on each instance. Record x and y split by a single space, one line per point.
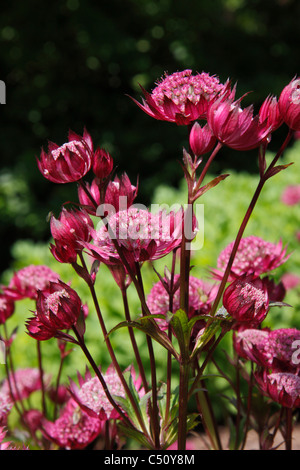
289 104
57 308
120 193
68 231
102 163
269 113
235 127
202 139
69 162
246 300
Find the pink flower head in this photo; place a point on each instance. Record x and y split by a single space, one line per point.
249 343
254 255
289 104
22 383
291 195
7 306
8 445
201 139
68 231
290 280
92 398
26 282
269 113
67 163
281 387
280 350
57 308
235 127
182 97
74 429
201 296
102 164
141 235
6 404
246 300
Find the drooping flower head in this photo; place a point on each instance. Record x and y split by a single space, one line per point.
27 281
141 234
234 126
57 308
250 344
289 104
182 97
74 429
281 387
246 300
68 231
254 255
69 162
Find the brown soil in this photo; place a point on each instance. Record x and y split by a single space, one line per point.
202 443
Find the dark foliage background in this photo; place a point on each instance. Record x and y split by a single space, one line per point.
71 63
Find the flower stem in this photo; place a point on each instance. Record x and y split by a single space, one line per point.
288 428
100 377
262 180
133 340
155 411
110 348
183 404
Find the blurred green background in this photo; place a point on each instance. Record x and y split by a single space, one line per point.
69 64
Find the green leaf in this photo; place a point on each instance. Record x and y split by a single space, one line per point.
132 433
211 329
180 324
148 326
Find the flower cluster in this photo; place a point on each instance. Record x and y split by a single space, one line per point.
105 226
275 352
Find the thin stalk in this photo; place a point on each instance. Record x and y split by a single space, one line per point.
183 404
133 340
39 355
208 163
185 258
169 356
58 377
238 405
249 402
100 376
263 179
288 428
155 413
110 348
208 357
